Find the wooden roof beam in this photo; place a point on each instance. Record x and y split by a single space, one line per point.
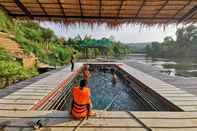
120 7
188 3
100 7
141 6
42 7
165 3
92 4
6 10
23 8
61 7
189 14
96 17
81 10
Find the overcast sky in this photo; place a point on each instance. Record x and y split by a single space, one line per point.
126 33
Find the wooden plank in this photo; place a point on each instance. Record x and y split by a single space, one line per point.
111 122
170 123
33 91
171 98
4 101
174 129
171 91
176 95
55 122
113 114
19 93
166 89
41 129
111 129
189 108
181 103
22 97
13 107
155 115
40 114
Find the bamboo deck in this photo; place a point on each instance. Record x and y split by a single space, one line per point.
24 98
176 96
104 121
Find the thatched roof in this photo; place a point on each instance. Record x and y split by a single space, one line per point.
112 12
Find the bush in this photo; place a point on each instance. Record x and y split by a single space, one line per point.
11 72
5 23
5 56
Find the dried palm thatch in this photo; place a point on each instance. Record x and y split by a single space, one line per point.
111 12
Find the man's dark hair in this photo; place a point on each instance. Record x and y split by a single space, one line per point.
83 83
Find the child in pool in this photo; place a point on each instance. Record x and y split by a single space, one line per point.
114 77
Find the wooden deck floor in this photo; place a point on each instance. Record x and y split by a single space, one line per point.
104 121
184 83
181 98
15 117
21 97
24 98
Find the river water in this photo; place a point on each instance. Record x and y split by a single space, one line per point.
185 67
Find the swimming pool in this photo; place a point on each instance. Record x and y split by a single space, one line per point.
114 96
127 94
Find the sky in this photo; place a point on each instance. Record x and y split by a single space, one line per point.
125 33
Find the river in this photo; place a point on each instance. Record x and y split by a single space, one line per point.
185 67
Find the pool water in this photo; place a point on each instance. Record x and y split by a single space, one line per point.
114 96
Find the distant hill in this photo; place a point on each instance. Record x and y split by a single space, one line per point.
138 47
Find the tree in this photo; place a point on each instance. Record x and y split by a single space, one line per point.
185 38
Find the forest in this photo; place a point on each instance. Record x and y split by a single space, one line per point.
185 44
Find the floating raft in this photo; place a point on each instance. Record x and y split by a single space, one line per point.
27 97
16 114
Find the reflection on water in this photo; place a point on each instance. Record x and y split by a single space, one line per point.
182 67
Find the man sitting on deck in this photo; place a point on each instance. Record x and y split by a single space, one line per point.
81 104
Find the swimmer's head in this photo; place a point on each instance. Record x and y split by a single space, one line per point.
86 67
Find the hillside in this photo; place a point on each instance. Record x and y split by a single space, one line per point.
23 46
12 47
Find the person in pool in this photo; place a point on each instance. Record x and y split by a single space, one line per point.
81 101
86 73
114 77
